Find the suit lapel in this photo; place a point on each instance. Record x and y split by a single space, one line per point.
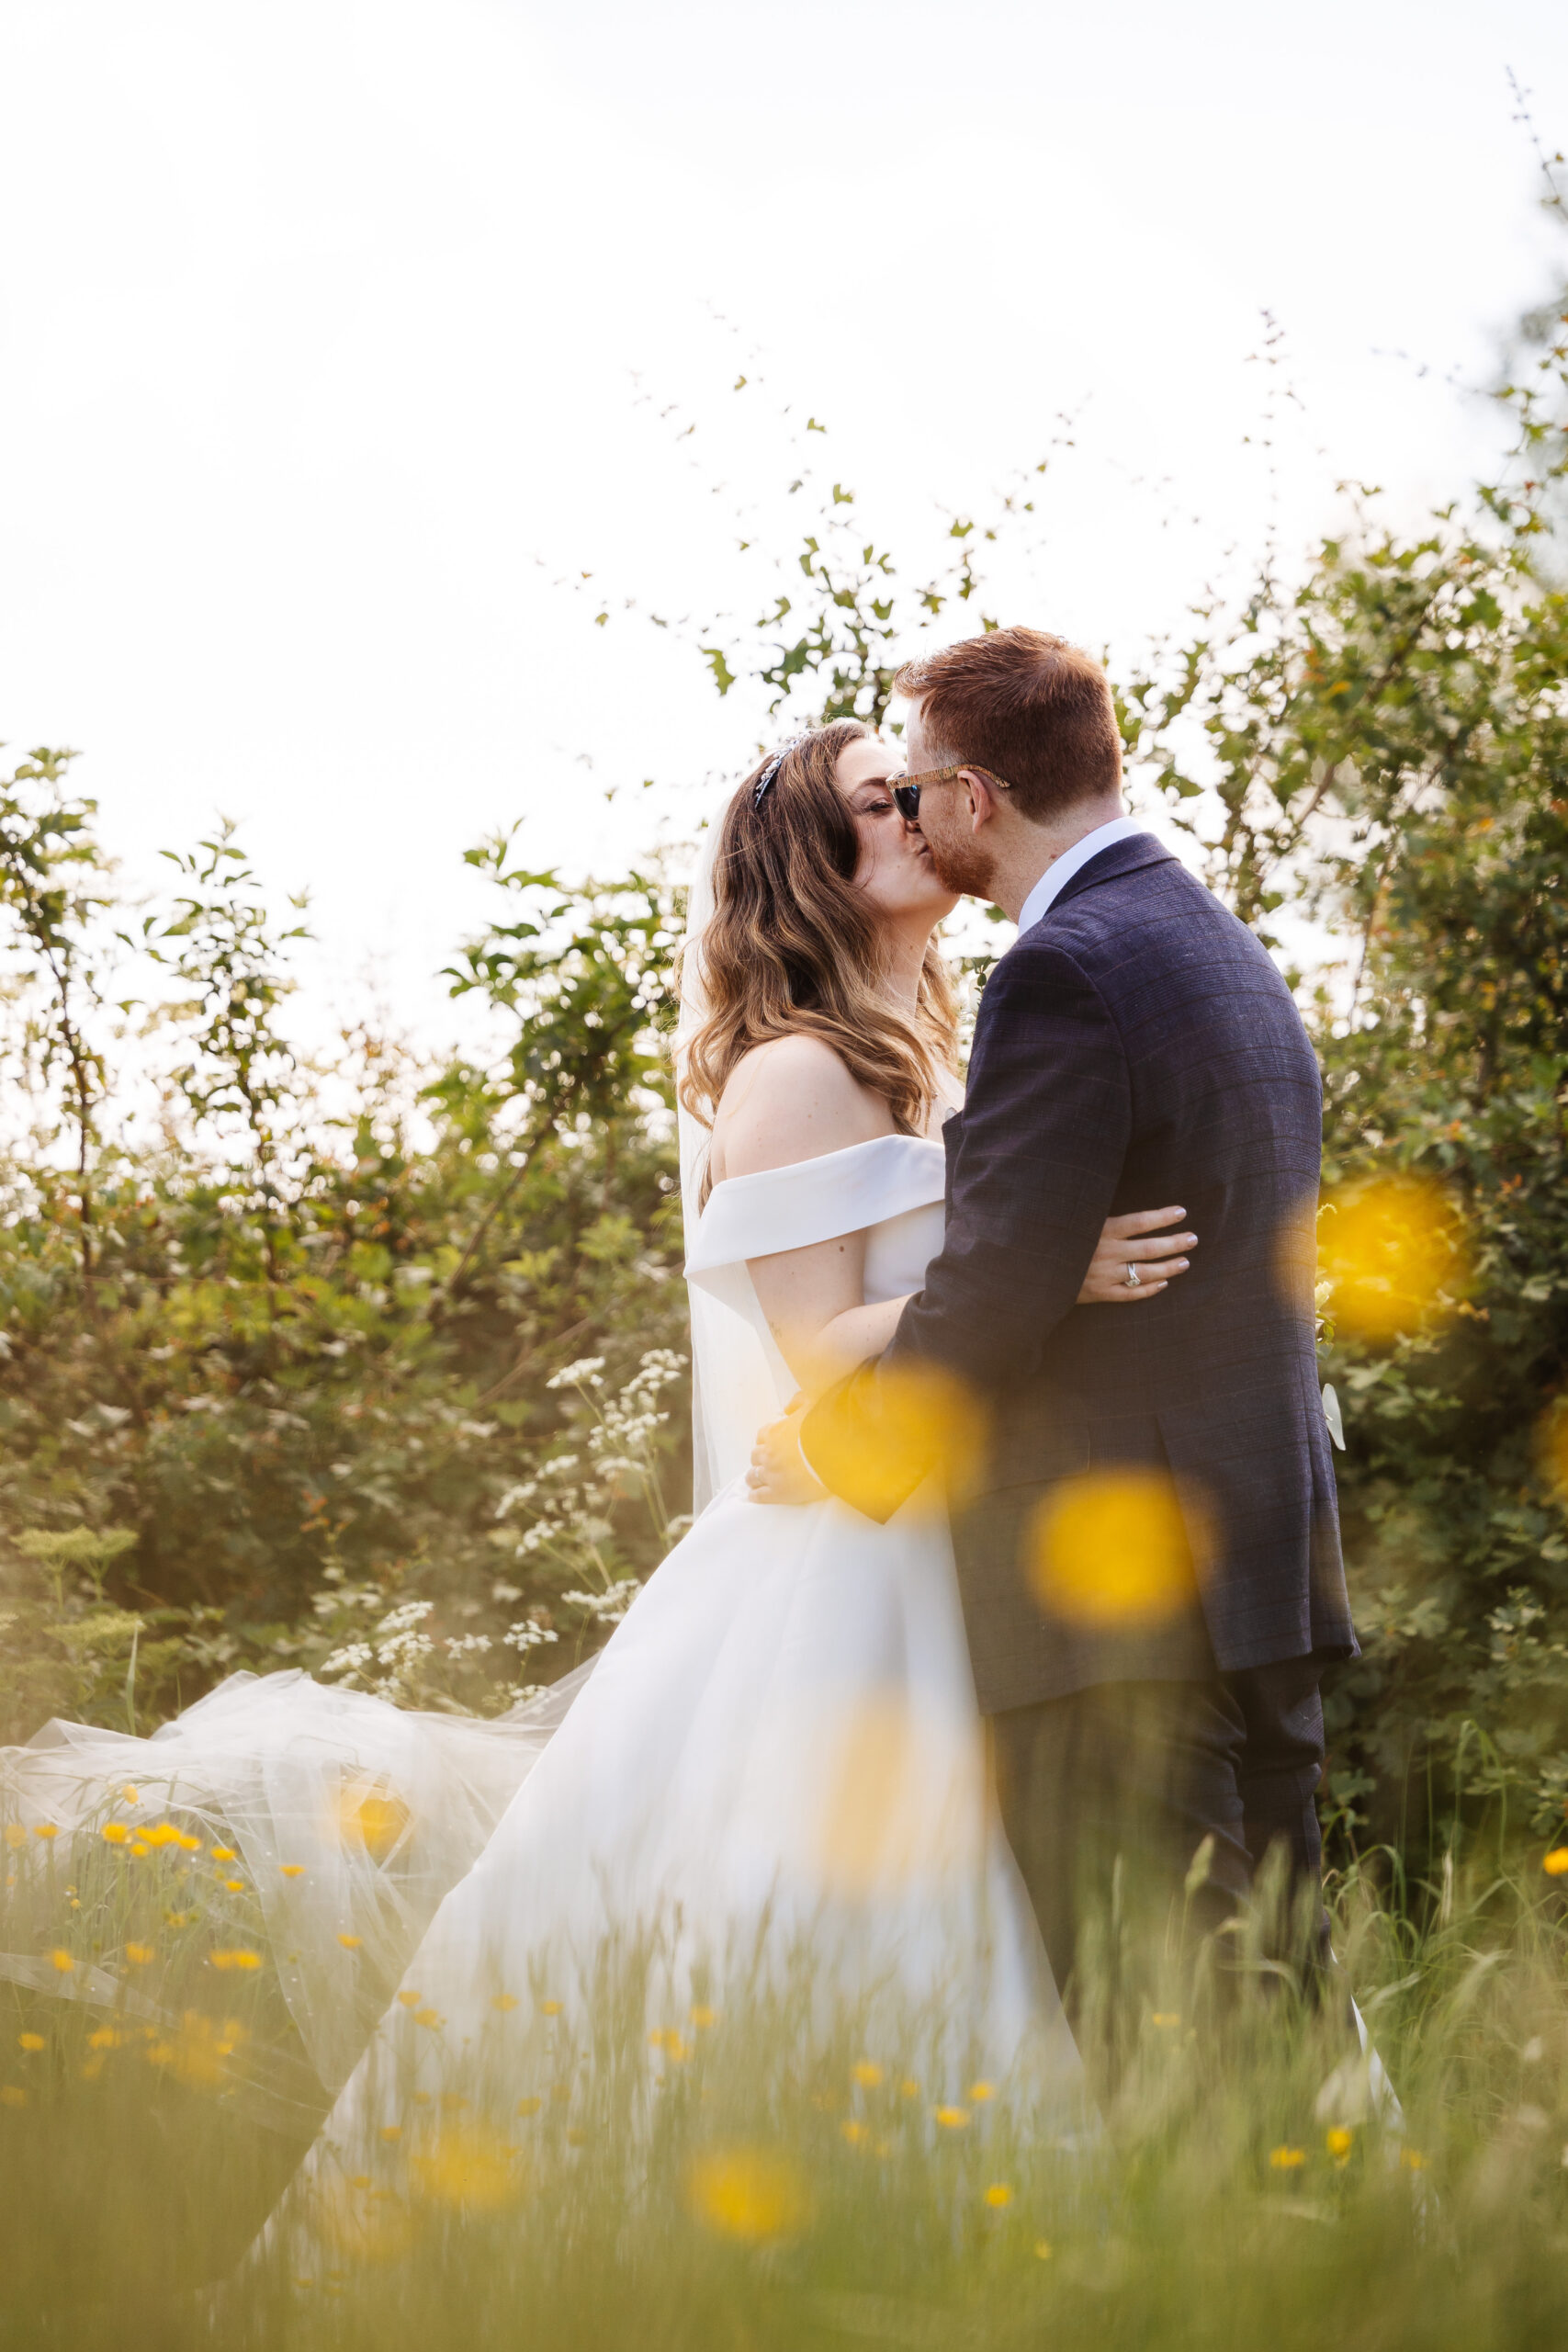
1110 865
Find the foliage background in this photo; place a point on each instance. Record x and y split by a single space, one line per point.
282 1341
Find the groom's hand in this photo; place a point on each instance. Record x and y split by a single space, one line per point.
778 1471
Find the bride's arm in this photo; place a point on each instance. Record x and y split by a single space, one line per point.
790 1100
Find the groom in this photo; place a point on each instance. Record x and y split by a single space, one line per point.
1149 1558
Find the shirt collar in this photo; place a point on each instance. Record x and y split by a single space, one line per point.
1054 879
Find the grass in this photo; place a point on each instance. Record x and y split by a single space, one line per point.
758 2175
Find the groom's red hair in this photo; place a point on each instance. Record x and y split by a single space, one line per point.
1033 709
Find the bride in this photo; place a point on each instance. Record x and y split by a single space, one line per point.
779 1750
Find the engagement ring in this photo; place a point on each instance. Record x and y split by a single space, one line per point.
1131 1277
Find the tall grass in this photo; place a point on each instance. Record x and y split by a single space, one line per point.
751 2174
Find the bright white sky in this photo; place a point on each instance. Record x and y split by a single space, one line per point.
319 322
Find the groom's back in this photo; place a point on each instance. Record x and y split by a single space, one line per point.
1216 1106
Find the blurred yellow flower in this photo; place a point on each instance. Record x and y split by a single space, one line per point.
114 1833
1118 1547
980 2092
45 1829
953 2119
138 1955
1413 2160
196 2054
702 2016
1395 1251
909 2087
529 2106
240 1958
29 2042
1556 1862
470 2166
191 1845
131 1795
1287 2159
429 2018
749 2193
852 2132
369 1812
867 2073
162 1833
1165 2020
14 1833
390 2131
234 1886
998 2194
879 1447
12 2095
549 2008
349 1943
1339 2141
1043 2249
178 1918
107 2037
291 1869
140 1850
62 1960
504 2002
224 1854
411 2000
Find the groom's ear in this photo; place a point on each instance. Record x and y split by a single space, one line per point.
984 801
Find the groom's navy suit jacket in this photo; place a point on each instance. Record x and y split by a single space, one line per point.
1136 1048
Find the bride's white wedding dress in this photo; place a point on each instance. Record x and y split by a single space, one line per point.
778 1754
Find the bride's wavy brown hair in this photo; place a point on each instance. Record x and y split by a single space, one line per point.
792 947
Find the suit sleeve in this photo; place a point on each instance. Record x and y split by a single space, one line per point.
1044 1135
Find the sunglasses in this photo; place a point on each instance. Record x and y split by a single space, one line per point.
907 791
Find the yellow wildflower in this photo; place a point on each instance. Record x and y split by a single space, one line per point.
953 2119
998 2195
1287 2159
867 2073
390 2131
114 1833
12 2095
191 1845
224 1854
235 1885
504 2002
980 2092
470 2166
1043 2249
162 1833
105 2038
14 1833
909 2087
749 2193
291 1869
411 2000
1413 2160
62 1960
140 1850
1556 1862
1166 2019
131 1795
431 2017
29 2040
178 1918
702 2016
236 1959
549 2008
852 2132
350 1943
1340 2143
529 2106
45 1829
138 1955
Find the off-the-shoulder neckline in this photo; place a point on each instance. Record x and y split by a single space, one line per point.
823 1158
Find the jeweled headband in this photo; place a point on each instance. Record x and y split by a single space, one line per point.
770 774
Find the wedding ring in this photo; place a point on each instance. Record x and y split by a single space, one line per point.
1131 1277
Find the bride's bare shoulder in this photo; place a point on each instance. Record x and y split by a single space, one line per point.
789 1100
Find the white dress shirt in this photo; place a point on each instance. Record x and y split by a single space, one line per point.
1054 879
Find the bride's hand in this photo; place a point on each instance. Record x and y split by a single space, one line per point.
778 1471
1123 1243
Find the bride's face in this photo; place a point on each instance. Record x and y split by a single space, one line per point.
895 869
